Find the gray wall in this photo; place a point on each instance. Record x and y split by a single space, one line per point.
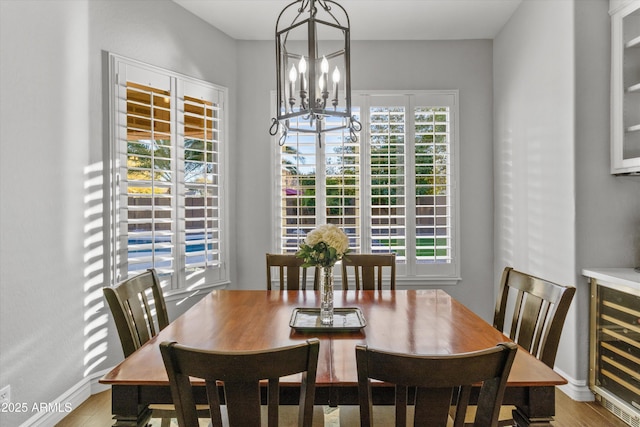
557 208
44 150
404 65
53 336
534 162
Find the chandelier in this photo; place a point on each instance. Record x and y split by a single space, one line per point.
313 70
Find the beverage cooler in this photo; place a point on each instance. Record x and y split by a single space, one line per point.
614 367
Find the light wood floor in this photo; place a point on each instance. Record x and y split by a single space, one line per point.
96 412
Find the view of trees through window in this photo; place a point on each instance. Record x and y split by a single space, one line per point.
151 185
167 201
391 191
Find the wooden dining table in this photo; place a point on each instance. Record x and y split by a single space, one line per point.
406 321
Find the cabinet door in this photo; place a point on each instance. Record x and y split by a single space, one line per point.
625 89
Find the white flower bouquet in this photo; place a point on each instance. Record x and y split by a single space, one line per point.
323 246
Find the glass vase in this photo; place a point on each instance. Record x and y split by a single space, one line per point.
326 295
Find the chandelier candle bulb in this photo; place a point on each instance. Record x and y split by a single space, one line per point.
292 77
302 66
292 84
324 67
336 81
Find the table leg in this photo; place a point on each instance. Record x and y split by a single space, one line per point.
125 407
539 410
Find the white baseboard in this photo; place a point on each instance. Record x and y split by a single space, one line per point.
577 390
68 401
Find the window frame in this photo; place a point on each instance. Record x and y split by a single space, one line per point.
408 274
181 88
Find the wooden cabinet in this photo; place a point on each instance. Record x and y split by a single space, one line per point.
625 86
614 369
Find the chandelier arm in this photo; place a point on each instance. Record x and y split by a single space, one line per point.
283 138
313 10
285 132
346 15
275 125
327 8
353 136
354 127
355 124
303 6
319 131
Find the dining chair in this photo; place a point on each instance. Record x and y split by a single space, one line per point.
291 274
239 375
133 303
436 380
531 311
368 270
140 312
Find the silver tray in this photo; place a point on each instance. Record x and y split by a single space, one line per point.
346 319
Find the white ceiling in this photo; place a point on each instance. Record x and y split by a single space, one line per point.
370 19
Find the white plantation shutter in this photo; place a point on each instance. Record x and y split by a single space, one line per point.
146 206
297 189
201 141
167 164
392 191
433 184
434 160
412 180
387 166
317 185
342 182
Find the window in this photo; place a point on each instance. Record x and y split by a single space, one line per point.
168 163
392 191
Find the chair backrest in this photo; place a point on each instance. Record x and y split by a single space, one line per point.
368 271
437 379
535 310
241 373
290 271
132 303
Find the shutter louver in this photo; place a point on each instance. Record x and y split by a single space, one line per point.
298 167
342 181
202 187
388 202
432 181
149 180
308 170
